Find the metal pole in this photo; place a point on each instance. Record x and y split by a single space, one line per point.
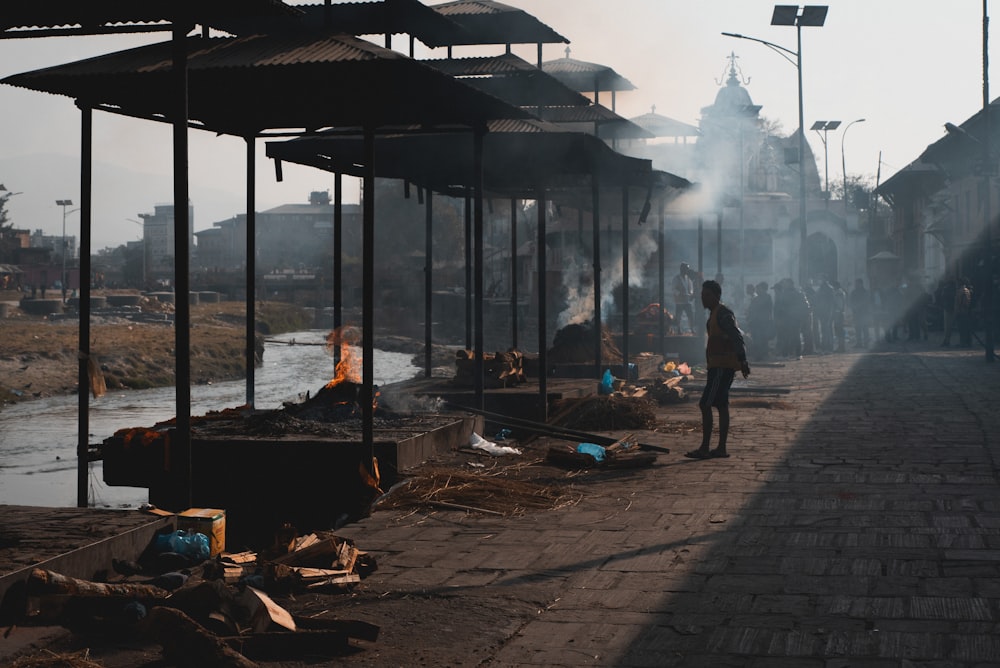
513 273
987 209
62 277
803 261
543 355
843 159
83 375
625 295
428 278
251 278
595 195
468 271
477 166
367 394
183 455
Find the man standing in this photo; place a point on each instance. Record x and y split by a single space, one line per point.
725 353
683 294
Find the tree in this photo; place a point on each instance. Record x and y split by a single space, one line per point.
5 221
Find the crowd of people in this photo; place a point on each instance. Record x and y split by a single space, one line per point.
823 317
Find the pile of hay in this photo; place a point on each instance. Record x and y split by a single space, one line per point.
49 659
475 492
604 413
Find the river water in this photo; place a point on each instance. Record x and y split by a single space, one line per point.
38 465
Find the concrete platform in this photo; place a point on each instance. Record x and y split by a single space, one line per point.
78 542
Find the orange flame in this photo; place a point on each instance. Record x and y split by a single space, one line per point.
348 368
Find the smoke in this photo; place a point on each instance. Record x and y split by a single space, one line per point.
398 400
578 281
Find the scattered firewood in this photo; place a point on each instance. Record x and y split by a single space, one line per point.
187 643
501 369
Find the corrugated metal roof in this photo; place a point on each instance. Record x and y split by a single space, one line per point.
608 124
515 163
28 18
511 79
583 76
488 22
359 18
507 63
242 85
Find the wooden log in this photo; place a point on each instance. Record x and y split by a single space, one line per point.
321 554
52 597
187 643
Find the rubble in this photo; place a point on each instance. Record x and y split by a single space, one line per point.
219 612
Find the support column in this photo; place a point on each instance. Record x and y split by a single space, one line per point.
477 167
543 356
367 395
625 304
83 371
428 284
251 276
181 440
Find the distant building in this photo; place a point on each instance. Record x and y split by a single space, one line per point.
54 242
158 232
289 236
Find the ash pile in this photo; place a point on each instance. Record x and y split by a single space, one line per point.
575 344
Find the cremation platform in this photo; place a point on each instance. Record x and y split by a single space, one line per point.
278 467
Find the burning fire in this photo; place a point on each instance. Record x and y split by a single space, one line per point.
348 369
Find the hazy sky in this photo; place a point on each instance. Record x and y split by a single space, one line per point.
906 66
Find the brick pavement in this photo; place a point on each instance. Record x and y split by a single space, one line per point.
857 523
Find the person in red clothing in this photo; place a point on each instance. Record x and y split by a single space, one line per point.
725 353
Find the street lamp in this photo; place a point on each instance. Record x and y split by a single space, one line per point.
824 127
843 160
143 282
790 15
64 203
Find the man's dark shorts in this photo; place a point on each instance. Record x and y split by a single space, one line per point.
716 392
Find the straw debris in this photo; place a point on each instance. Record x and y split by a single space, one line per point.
49 659
604 413
490 493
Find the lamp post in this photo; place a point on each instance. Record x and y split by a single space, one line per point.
843 160
64 203
142 283
790 15
824 127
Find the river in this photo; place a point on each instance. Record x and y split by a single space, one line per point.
38 465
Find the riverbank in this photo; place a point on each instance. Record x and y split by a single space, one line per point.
38 355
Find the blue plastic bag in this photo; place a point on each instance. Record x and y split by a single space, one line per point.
607 384
592 449
192 545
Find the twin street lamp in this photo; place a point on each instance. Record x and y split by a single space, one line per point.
824 127
64 203
794 15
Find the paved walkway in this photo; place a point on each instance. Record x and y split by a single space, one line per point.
857 523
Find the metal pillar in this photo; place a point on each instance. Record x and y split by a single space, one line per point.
83 375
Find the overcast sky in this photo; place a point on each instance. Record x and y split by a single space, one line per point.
906 66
